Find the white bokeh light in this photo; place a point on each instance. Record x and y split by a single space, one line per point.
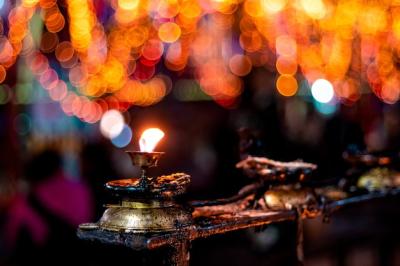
111 124
322 91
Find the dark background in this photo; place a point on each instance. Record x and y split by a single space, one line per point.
202 140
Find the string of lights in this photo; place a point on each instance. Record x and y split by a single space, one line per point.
111 54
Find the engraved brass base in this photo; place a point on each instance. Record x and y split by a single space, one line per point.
147 204
145 216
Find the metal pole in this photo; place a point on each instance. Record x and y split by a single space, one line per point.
179 254
299 239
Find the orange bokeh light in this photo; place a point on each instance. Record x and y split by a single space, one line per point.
3 74
287 85
168 8
49 42
64 51
286 46
115 63
286 65
240 65
153 49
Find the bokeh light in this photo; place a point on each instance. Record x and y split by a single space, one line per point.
169 32
286 46
5 94
22 124
286 65
3 74
128 4
274 6
6 50
240 65
49 42
64 51
326 109
322 91
111 124
314 8
287 85
88 55
124 138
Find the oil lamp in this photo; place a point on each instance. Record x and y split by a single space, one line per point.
147 203
146 157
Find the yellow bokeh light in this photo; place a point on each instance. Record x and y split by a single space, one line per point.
116 58
274 6
254 8
372 20
314 8
169 32
128 4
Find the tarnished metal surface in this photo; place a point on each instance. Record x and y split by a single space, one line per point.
267 169
299 239
284 197
145 159
148 218
147 204
219 224
211 220
161 187
141 217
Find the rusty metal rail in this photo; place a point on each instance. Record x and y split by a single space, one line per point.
208 224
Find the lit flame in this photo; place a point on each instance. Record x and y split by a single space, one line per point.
149 139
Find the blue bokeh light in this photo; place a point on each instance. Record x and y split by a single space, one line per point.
124 138
326 109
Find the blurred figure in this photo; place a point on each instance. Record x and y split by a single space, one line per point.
97 169
42 220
